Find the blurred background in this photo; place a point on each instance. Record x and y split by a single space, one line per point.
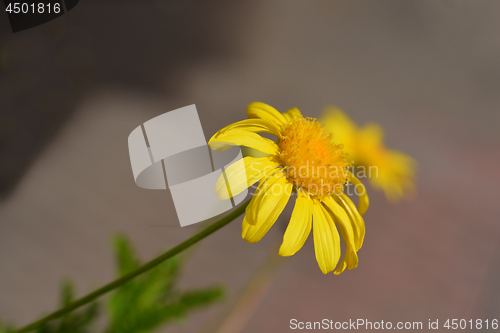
73 89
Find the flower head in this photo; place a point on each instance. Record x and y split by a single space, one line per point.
306 161
393 171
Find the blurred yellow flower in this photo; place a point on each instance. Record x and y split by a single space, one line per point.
388 170
303 160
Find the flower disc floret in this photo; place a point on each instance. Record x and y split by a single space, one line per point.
312 162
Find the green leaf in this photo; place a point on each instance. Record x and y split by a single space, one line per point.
151 299
74 322
126 259
142 305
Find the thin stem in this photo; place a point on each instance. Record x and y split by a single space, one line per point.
147 266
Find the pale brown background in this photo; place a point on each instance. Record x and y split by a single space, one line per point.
428 71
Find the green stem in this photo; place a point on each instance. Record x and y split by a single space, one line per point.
147 266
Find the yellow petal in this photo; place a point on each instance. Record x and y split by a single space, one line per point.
336 210
299 227
326 239
350 260
341 126
358 225
373 133
395 175
244 226
364 202
255 126
264 111
342 219
226 140
242 174
291 114
266 209
266 182
336 116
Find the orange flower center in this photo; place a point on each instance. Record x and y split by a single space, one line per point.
311 161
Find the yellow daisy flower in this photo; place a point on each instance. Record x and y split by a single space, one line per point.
388 170
304 160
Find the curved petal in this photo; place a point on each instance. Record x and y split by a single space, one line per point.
255 126
266 208
364 202
358 224
242 174
292 113
264 111
267 181
226 140
245 226
326 239
336 210
299 227
350 260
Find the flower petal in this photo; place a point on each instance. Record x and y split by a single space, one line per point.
264 111
336 210
299 227
326 239
292 113
255 126
265 208
350 260
344 130
252 210
265 183
395 175
224 141
242 174
364 202
358 224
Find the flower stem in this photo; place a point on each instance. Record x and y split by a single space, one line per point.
147 266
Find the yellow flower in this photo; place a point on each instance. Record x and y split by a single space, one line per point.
304 160
388 170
